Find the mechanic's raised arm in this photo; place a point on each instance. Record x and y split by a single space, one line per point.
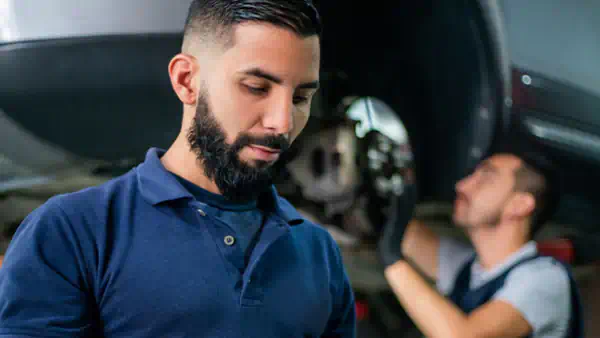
420 245
438 258
404 237
437 317
42 279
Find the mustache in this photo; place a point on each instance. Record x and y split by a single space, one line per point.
277 142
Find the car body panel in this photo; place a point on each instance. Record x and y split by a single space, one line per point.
31 20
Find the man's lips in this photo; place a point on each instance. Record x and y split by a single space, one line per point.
269 150
264 153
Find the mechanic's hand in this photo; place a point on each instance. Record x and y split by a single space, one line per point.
401 212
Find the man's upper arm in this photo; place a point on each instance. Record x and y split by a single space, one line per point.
496 319
452 255
535 298
42 290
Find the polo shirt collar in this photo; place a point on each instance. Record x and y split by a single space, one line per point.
157 185
283 208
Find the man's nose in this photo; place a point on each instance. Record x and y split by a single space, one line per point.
279 117
463 185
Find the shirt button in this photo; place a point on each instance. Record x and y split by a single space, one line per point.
229 240
201 212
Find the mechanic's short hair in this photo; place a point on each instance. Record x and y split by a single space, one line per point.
536 175
529 178
213 20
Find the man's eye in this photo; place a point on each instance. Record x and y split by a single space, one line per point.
256 90
300 99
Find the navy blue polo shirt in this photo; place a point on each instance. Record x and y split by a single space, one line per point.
244 219
139 256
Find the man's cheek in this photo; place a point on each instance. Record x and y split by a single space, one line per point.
300 121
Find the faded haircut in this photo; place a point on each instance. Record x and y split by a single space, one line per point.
531 180
214 20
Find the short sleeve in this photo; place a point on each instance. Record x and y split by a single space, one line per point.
42 291
452 255
541 291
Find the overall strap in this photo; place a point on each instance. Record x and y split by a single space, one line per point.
468 299
576 322
462 283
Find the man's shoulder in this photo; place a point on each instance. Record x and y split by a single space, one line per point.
543 277
73 218
540 290
86 203
311 233
304 223
97 196
539 269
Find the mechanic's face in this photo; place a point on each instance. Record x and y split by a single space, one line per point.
252 105
482 197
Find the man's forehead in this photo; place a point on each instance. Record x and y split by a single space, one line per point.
269 37
502 162
275 54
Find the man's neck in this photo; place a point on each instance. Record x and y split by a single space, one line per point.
494 248
181 161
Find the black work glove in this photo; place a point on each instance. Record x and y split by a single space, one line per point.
401 212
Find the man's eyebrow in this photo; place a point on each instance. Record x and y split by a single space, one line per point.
274 78
487 166
309 85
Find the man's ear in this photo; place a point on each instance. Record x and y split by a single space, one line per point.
182 71
521 205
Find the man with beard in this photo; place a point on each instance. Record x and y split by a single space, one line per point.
499 286
195 241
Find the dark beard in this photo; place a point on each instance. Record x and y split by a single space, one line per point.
236 180
489 222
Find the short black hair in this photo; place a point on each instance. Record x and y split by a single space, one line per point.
539 183
537 175
216 18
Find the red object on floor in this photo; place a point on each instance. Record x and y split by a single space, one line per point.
362 310
561 249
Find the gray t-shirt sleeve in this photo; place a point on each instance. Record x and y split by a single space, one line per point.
540 290
452 256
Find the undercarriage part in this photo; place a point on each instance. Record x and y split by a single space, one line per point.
352 158
357 221
326 168
349 166
386 150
